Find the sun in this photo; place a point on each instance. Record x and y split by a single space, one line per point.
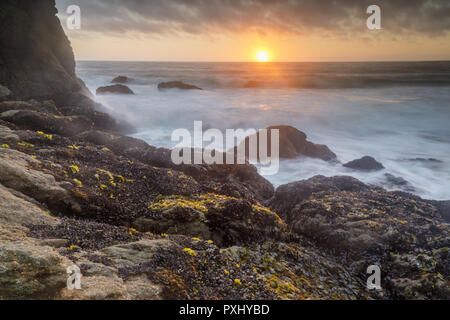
262 56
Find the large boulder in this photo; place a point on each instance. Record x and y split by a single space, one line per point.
404 235
177 85
364 164
15 173
36 60
292 144
289 195
114 89
28 271
226 220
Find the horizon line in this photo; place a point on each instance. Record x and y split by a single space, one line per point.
257 62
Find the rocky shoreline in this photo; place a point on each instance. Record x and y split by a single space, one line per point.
74 189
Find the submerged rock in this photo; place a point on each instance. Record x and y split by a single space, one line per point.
364 164
117 88
394 182
120 79
177 85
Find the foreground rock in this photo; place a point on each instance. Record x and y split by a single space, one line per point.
116 89
17 175
177 85
33 120
364 164
367 225
225 220
293 144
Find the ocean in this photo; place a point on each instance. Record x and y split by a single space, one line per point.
396 112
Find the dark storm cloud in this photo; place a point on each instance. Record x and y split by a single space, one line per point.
344 17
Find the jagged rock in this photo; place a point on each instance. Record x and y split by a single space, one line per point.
177 85
289 195
364 164
117 88
62 125
292 144
37 59
120 79
16 174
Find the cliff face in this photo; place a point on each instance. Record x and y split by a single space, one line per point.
36 59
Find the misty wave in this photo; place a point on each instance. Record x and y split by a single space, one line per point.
341 106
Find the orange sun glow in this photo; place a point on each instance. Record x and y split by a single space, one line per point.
262 56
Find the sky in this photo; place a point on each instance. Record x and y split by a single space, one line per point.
236 30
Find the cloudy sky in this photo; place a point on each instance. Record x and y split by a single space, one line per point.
234 30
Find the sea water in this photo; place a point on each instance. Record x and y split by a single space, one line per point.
398 113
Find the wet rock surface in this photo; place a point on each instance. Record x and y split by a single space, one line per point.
177 85
121 79
364 164
116 89
368 225
293 144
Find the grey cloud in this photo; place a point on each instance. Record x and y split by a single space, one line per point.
343 17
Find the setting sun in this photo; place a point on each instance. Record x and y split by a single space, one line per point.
262 56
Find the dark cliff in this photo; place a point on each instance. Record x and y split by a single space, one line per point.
36 58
